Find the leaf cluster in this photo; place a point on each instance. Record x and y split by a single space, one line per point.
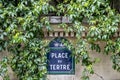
21 32
21 25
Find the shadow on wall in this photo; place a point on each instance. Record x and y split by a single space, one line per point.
10 72
116 5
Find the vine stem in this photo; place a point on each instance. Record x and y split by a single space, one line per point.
99 76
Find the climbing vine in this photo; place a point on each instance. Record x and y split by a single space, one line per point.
103 24
21 33
4 69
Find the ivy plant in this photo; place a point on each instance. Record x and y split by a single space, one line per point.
21 33
21 25
3 69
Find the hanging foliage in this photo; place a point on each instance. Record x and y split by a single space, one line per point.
21 34
22 21
3 69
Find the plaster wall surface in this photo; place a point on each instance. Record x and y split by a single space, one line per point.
103 69
10 72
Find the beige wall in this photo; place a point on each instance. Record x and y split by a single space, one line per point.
10 72
103 69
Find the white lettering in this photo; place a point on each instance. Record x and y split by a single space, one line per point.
60 67
59 55
68 67
64 67
57 67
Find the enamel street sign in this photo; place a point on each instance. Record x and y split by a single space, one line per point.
60 59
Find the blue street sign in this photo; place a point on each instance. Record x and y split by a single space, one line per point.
60 59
